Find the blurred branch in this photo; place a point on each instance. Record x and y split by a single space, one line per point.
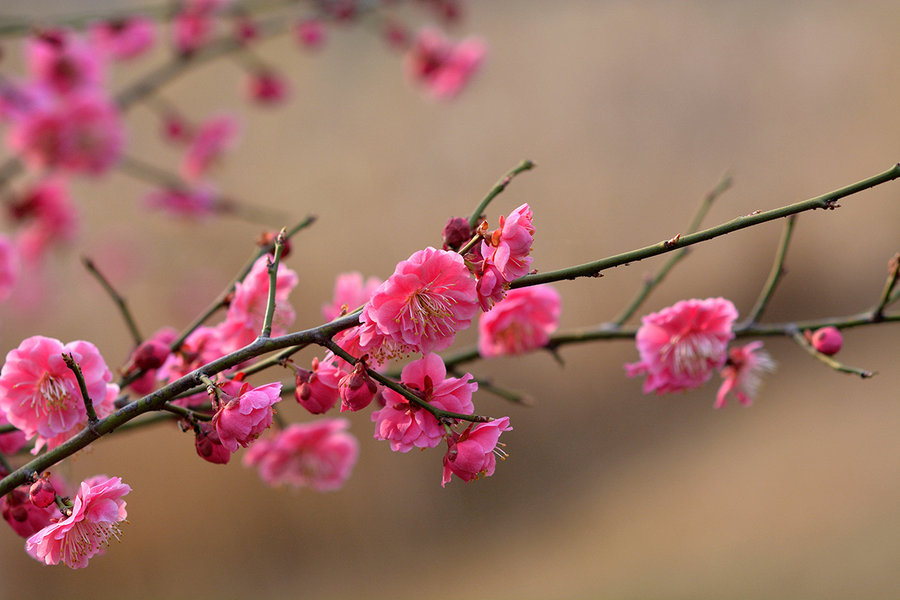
775 274
116 297
837 366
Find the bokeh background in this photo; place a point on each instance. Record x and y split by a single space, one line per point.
632 111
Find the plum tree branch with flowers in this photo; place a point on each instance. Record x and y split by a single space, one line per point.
57 399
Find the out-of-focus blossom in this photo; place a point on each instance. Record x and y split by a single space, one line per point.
11 442
350 292
681 346
406 425
95 516
25 518
320 455
212 139
63 61
742 373
202 346
441 67
50 216
9 267
430 297
310 33
196 202
522 322
191 30
124 39
267 88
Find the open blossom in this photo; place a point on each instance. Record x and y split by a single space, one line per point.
742 373
81 133
196 202
504 256
9 267
245 412
425 302
212 139
681 346
522 322
407 425
124 39
95 516
40 394
473 453
440 66
247 310
350 292
63 61
320 455
51 218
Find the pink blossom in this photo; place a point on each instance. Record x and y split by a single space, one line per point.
208 445
682 345
245 29
50 216
407 425
40 394
521 323
247 310
42 493
124 39
310 33
504 256
317 390
63 61
245 412
441 67
9 267
202 346
350 292
191 29
82 134
742 373
267 88
150 356
95 516
827 340
320 455
196 202
425 302
11 442
473 453
25 518
213 138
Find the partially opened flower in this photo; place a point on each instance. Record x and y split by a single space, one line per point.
473 453
95 516
683 344
245 412
320 455
742 373
425 302
407 425
522 322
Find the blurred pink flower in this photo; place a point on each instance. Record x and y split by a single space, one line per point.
25 518
267 88
473 453
95 516
440 66
50 216
40 394
310 33
827 340
123 39
742 373
247 311
522 322
9 267
245 412
320 455
212 139
430 297
350 292
11 442
407 425
63 61
681 346
191 30
196 202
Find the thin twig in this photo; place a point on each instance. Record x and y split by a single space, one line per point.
79 377
273 285
836 365
651 283
889 285
119 300
525 165
775 273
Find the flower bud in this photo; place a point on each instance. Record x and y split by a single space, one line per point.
310 33
42 493
267 87
356 389
827 340
150 355
317 390
209 447
456 233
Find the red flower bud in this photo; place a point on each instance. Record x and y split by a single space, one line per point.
827 340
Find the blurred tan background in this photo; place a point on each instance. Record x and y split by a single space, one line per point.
632 110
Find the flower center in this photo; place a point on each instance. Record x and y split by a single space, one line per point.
690 353
429 309
52 392
85 539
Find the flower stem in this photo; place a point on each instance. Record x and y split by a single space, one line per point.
593 269
775 274
116 297
889 285
525 165
273 285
